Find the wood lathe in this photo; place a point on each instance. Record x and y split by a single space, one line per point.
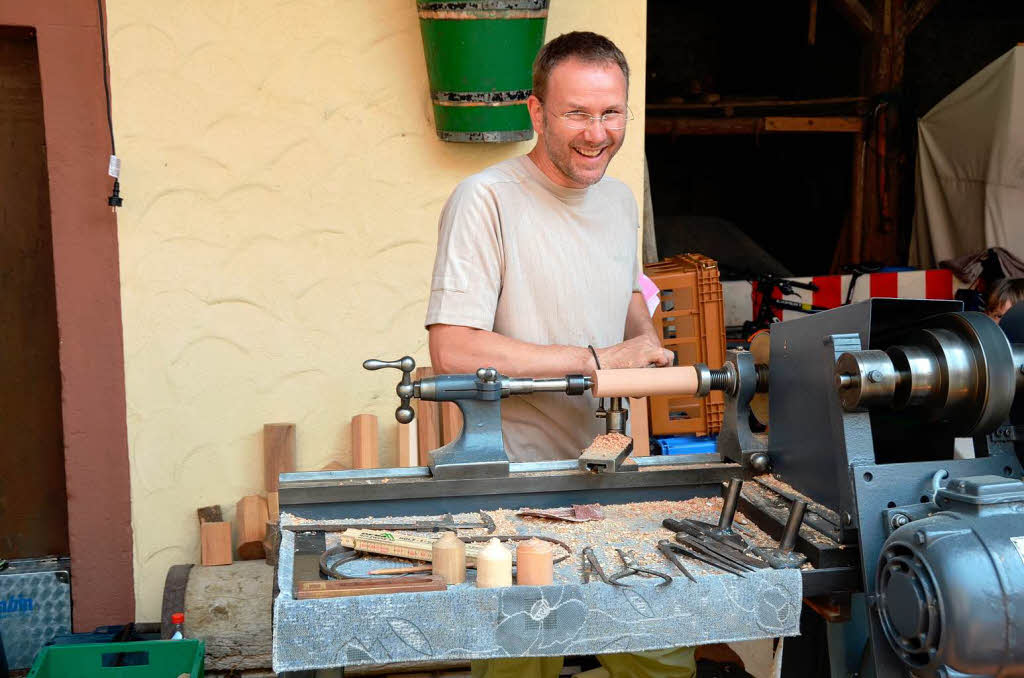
863 405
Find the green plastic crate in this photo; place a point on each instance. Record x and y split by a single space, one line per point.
142 659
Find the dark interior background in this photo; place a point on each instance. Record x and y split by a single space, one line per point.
785 197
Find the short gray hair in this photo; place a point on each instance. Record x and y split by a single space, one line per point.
583 45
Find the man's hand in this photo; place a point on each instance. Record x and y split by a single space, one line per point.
642 351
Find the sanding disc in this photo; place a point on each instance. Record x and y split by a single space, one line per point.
760 349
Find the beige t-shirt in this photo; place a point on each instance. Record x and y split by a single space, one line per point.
524 257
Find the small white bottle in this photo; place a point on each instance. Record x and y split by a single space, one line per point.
178 619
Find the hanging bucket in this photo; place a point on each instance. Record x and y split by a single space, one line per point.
480 59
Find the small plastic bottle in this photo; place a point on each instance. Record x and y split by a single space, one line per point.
178 619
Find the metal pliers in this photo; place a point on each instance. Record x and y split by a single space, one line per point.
667 549
631 568
592 566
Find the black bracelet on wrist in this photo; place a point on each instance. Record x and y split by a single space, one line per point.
593 352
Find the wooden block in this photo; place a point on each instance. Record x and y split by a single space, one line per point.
216 543
428 433
251 519
408 446
451 422
278 453
273 507
640 427
210 514
365 450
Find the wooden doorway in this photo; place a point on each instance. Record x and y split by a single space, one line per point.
33 499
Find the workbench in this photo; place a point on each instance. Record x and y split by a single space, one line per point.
566 618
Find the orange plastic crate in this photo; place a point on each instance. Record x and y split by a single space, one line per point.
691 323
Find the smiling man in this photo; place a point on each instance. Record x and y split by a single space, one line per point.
536 256
536 263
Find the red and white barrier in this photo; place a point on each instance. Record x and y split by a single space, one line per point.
933 284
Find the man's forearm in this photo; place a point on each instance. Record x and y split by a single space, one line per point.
458 350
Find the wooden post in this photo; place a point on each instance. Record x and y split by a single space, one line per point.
408 454
365 450
278 453
428 434
812 22
273 507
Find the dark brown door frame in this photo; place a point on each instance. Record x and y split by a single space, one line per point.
87 284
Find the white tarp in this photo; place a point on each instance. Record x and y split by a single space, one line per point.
970 167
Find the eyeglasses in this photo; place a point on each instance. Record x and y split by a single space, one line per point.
612 120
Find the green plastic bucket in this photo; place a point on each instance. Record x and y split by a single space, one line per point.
142 659
479 59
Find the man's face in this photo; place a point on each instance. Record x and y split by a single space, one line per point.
577 158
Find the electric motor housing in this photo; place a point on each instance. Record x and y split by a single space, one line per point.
950 587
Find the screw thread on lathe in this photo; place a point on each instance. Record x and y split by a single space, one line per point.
719 379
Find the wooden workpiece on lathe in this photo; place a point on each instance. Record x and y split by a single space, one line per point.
641 381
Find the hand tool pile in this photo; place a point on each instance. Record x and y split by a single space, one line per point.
720 546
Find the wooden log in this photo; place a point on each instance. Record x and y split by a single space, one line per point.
428 433
251 519
408 447
278 453
451 422
229 609
639 427
215 540
365 449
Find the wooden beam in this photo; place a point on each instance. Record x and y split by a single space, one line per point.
680 126
915 15
215 539
815 124
858 17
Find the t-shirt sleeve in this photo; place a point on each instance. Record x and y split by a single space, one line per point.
468 267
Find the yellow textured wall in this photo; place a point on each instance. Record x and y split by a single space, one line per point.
282 183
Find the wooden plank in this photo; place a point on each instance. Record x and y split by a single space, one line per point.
278 453
451 422
321 591
251 519
215 539
639 427
741 104
365 448
408 454
428 433
858 17
680 126
813 124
